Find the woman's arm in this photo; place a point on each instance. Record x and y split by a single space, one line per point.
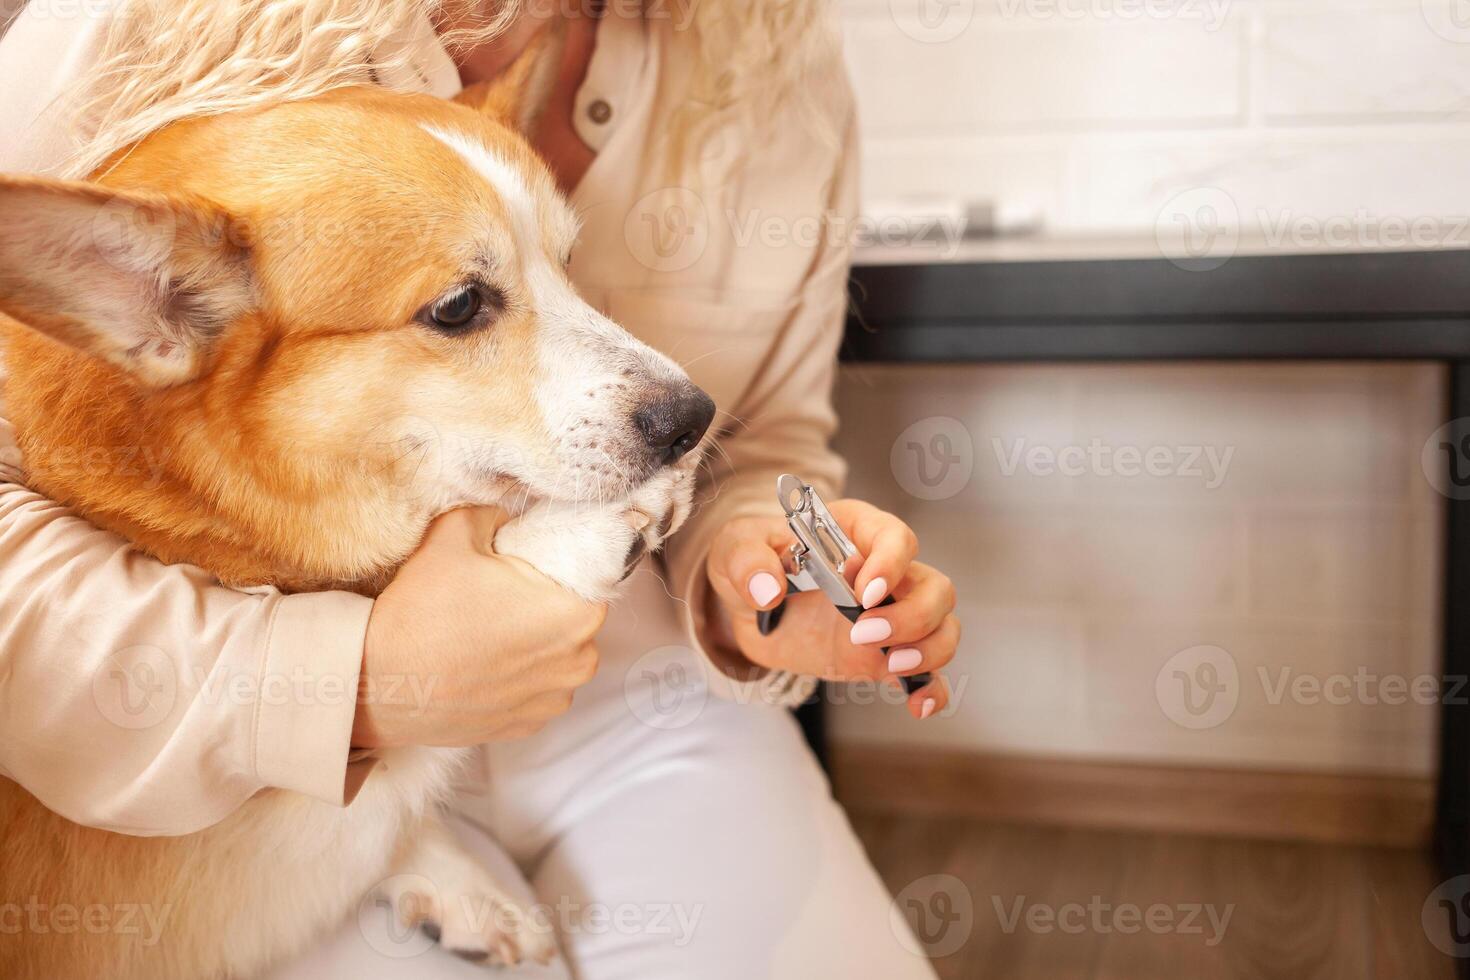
737 536
786 423
148 699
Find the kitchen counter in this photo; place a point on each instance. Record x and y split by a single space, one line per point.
1083 248
1037 302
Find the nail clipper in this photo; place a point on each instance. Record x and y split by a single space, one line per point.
817 559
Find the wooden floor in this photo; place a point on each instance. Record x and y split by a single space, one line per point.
1296 911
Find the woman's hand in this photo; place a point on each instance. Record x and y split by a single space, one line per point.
744 568
466 646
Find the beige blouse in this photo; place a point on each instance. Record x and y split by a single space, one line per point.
738 270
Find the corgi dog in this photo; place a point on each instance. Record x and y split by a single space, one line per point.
326 322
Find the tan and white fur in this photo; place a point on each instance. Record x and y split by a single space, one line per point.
254 299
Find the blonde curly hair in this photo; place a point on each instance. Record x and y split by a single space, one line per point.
167 60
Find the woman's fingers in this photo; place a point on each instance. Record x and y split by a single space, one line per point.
887 544
544 707
928 654
474 527
924 600
930 699
918 628
745 562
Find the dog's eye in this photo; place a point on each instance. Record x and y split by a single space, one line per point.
456 310
464 308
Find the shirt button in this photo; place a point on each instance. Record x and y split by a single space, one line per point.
599 111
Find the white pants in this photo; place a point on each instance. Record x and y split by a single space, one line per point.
668 833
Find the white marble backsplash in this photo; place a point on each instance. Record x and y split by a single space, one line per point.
1098 114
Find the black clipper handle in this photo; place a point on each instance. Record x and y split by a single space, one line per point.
767 620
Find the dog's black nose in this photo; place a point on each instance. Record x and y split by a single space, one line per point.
674 421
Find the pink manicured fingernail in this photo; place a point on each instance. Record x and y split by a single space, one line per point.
927 709
763 588
874 593
906 659
870 631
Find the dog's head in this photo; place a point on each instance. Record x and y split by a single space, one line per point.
364 284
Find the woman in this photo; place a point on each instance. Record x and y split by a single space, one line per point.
710 148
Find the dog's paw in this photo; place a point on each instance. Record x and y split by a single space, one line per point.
445 891
655 511
473 920
591 548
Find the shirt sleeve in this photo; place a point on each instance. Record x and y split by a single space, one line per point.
42 51
146 698
786 425
135 696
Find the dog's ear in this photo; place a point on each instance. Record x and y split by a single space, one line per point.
143 281
517 95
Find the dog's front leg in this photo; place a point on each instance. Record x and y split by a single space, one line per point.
442 888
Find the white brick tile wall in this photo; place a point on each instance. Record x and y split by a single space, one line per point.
1349 64
1311 562
1316 553
1094 113
1277 181
1319 125
1045 77
1144 558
